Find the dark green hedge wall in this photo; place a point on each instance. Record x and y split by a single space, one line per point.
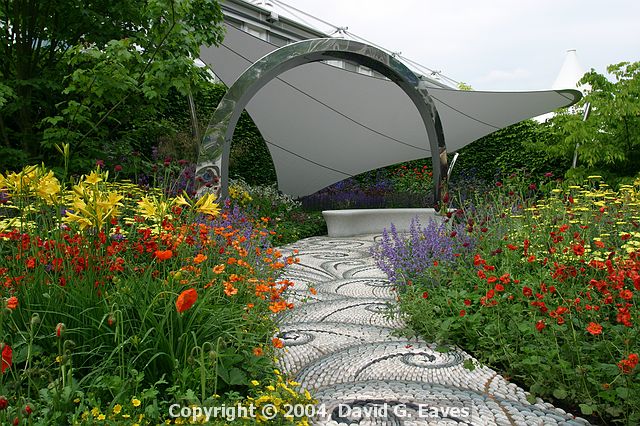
250 158
508 150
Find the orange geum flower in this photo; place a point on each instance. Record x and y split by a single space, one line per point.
257 351
278 306
261 288
186 299
218 269
229 290
313 291
232 260
277 343
199 258
594 328
12 302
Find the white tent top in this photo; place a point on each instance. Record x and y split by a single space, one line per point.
323 124
570 73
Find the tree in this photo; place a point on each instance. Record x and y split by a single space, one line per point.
609 140
91 73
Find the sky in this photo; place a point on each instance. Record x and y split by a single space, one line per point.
491 44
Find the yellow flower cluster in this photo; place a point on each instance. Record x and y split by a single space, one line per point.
92 205
281 393
239 194
604 218
117 414
32 181
204 204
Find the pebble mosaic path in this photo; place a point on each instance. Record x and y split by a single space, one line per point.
340 344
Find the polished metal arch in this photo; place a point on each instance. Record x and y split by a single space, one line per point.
213 158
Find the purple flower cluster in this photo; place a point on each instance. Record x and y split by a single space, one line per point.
235 218
352 194
408 255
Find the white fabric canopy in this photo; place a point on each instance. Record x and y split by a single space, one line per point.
323 123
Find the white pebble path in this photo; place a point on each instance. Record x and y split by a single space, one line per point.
342 345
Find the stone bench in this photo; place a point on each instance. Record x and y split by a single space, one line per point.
348 223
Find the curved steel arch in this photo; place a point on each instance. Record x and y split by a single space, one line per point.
213 158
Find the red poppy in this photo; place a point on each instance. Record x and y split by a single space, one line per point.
425 295
163 254
540 325
186 300
463 312
594 328
7 357
467 302
527 292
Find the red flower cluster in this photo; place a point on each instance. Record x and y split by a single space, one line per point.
7 357
627 365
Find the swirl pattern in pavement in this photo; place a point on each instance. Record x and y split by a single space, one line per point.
340 344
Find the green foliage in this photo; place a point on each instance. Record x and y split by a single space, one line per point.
249 159
413 177
508 150
610 138
93 75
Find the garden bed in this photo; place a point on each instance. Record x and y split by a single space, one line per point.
546 289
